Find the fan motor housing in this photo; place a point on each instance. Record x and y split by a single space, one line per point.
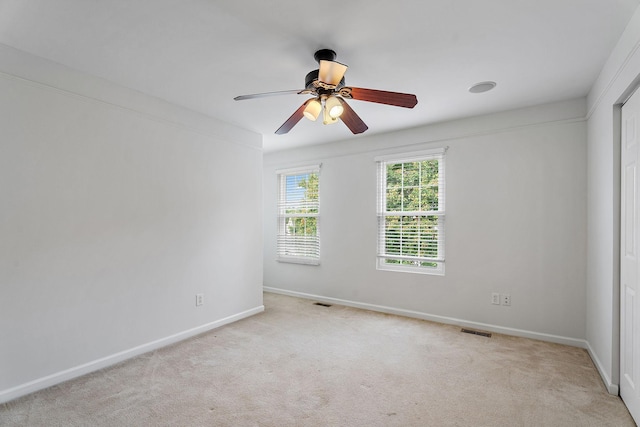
311 77
311 83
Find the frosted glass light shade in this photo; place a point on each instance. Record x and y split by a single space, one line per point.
327 119
331 72
313 109
334 107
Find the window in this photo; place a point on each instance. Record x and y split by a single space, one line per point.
298 214
411 212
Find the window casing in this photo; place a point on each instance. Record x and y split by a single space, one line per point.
298 239
411 212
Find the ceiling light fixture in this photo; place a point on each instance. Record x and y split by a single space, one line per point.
482 87
330 106
327 119
334 107
312 109
331 72
330 93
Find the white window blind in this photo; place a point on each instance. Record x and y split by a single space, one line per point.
298 215
411 212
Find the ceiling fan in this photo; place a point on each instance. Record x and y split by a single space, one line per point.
327 86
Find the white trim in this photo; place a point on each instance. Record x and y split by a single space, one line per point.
153 116
313 167
299 260
402 156
611 388
399 268
362 150
77 371
574 342
600 97
382 213
411 213
410 258
283 217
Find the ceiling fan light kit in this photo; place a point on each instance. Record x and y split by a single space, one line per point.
313 109
331 73
327 85
328 119
333 106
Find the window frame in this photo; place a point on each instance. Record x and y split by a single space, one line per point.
283 217
381 256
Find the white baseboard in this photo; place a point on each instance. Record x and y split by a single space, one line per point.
59 377
435 318
611 387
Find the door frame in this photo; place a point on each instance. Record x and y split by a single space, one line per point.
617 225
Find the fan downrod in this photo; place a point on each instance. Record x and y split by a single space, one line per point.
324 55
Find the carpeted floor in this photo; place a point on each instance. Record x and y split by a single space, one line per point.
300 364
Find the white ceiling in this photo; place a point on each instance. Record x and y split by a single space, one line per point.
201 53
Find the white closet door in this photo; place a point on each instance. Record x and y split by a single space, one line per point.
629 274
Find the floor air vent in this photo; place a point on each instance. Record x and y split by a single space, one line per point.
322 304
473 332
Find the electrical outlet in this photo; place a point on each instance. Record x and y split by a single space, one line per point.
506 299
199 299
495 298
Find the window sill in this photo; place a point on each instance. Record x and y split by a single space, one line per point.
299 261
438 271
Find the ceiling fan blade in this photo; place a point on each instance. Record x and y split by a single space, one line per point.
331 72
397 99
351 119
263 95
293 120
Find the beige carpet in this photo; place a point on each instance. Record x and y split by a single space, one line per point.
299 364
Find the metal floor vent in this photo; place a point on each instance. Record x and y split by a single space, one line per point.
473 332
322 304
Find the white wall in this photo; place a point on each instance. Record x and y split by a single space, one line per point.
117 209
515 214
616 81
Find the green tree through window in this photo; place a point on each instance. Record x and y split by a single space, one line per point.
305 225
411 213
298 237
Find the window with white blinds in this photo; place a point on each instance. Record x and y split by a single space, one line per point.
411 212
298 215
